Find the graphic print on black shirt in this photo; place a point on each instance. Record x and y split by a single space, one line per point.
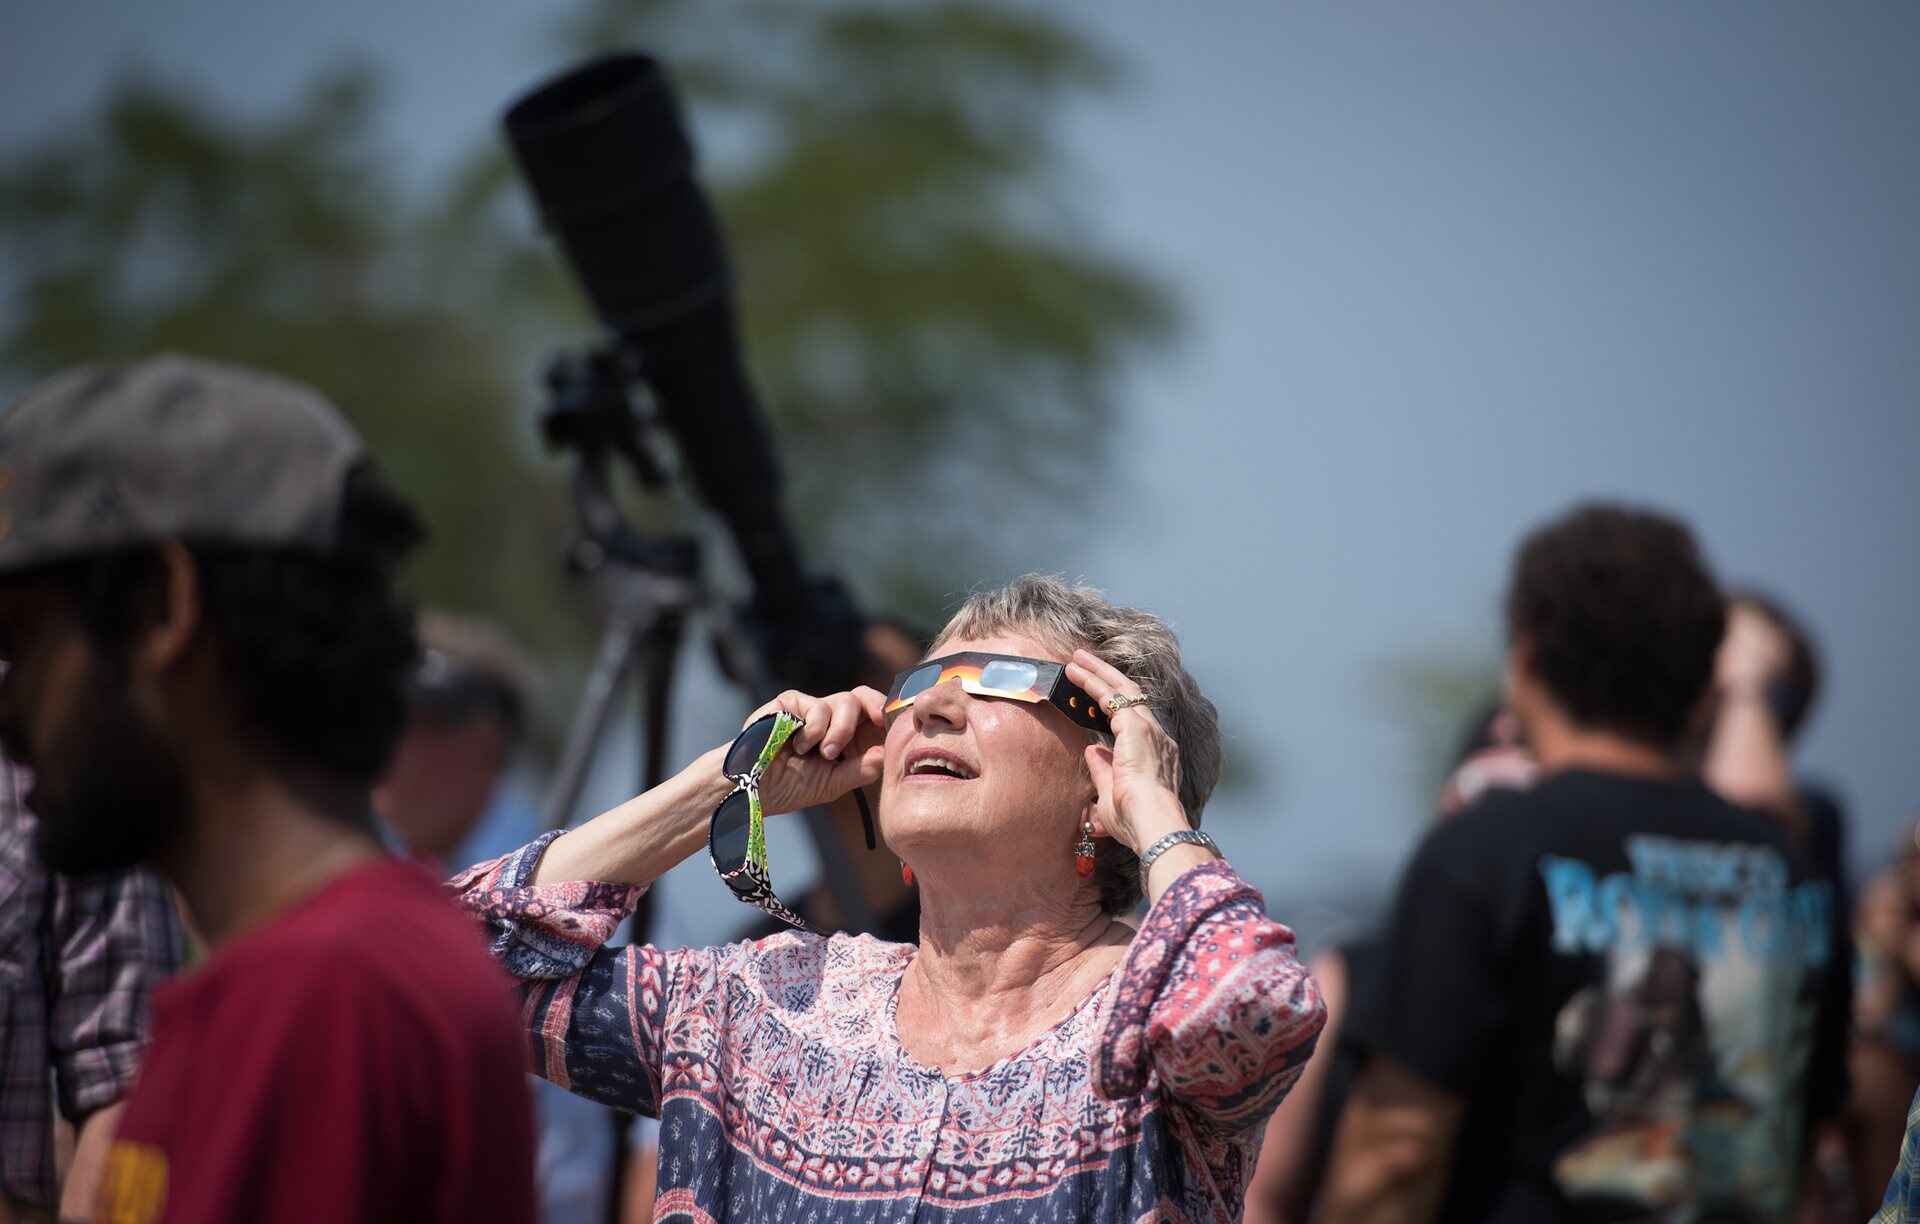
1690 1051
1632 985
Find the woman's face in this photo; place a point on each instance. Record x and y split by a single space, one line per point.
1006 770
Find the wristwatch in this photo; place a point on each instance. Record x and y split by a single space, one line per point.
1184 837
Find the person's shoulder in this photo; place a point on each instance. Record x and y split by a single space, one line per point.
1681 807
1713 817
774 967
1500 805
388 908
1490 846
866 953
1826 812
828 978
1507 817
862 978
861 953
385 940
1563 803
1822 793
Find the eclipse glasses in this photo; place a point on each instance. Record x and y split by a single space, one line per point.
997 675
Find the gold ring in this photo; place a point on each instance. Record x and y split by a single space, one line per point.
1117 702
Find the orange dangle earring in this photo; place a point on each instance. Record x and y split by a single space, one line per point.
906 875
1083 853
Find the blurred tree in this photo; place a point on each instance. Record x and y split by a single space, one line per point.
932 333
1435 696
285 243
934 338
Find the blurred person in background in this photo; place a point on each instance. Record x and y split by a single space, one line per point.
79 958
1767 678
198 610
467 705
1293 1158
1493 756
1033 1056
1613 994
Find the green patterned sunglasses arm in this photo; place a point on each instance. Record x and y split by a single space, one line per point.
784 725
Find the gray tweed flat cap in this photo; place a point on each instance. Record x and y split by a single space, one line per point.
103 457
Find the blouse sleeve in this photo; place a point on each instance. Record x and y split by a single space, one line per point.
595 1016
1213 999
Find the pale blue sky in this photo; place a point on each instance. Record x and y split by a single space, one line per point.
1447 269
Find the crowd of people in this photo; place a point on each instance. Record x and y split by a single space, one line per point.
1623 977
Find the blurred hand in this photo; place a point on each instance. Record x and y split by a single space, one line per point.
1138 779
840 747
1753 652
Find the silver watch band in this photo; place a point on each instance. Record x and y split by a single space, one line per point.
1183 837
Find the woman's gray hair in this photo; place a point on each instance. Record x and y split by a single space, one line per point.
1068 616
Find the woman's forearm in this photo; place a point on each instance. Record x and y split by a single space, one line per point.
637 842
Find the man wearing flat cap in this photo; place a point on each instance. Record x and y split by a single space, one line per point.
206 659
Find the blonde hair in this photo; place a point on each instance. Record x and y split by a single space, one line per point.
1070 616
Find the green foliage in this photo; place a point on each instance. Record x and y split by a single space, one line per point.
933 338
284 243
1434 695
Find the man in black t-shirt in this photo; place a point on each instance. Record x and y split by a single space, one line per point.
1612 996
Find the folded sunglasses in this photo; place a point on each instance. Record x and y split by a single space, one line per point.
737 836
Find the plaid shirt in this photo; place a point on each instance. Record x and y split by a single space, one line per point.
77 959
1902 1203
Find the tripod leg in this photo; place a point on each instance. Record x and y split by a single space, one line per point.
659 651
596 707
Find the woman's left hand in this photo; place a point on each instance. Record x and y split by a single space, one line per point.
1138 779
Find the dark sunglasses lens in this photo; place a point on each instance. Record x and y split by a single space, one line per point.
748 745
918 681
728 838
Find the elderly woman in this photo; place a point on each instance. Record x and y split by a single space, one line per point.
1033 1056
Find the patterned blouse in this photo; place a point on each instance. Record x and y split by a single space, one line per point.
784 1093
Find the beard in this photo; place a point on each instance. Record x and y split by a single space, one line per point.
110 792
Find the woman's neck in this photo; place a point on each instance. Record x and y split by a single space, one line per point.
992 975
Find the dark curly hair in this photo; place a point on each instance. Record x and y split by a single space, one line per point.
1620 619
314 650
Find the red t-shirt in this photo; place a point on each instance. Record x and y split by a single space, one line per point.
361 1058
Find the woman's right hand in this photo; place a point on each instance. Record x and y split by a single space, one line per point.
840 747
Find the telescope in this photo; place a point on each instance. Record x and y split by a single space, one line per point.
606 153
